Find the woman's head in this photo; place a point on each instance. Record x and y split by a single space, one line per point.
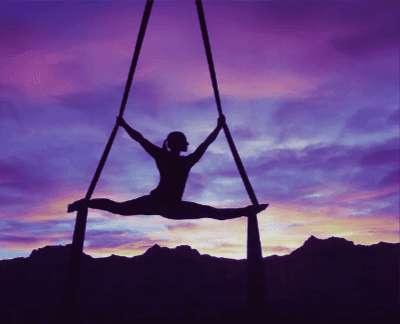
176 141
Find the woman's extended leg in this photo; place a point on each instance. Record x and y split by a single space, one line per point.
140 206
191 210
146 205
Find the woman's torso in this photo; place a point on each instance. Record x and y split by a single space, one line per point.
174 171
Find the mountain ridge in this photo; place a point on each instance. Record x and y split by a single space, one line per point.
311 244
333 277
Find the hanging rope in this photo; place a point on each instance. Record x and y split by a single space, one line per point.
71 284
255 273
235 153
256 297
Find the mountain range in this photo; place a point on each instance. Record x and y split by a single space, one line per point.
323 281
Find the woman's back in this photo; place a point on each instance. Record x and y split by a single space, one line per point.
174 171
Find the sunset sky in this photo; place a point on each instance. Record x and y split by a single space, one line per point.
310 92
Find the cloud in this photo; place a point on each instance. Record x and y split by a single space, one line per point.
99 107
48 226
95 104
287 175
243 133
123 246
381 34
304 118
26 179
7 91
21 240
394 118
27 235
72 71
368 120
276 249
62 24
391 211
202 104
8 110
330 158
302 111
182 226
382 154
110 239
392 178
196 184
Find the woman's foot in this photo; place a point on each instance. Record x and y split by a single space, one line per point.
253 209
79 204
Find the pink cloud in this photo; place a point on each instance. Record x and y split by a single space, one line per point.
253 57
32 72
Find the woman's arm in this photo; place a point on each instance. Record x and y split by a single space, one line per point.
132 133
147 145
211 138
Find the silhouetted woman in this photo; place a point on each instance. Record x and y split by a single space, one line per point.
166 199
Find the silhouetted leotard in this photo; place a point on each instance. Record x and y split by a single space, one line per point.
174 171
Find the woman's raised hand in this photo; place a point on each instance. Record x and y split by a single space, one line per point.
221 120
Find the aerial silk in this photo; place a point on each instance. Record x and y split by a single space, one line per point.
255 279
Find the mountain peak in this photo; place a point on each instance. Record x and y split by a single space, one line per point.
332 244
186 250
183 250
153 251
54 252
312 239
51 251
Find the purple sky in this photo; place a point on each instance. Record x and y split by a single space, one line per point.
310 92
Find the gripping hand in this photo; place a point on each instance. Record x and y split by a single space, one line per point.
121 121
221 120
